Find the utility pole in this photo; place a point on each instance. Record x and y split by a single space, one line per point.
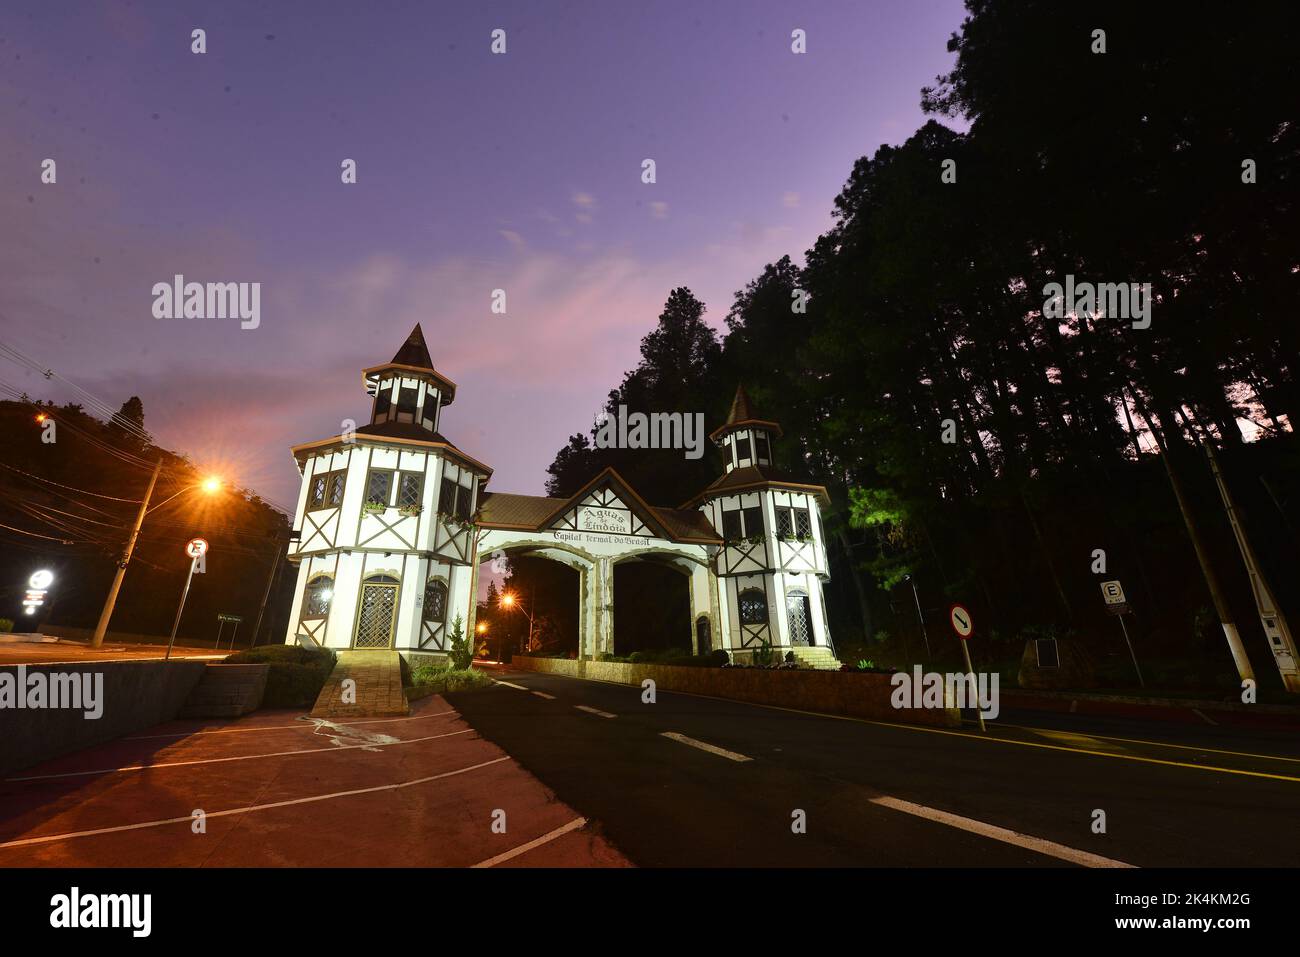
102 627
1280 642
1239 656
275 573
920 617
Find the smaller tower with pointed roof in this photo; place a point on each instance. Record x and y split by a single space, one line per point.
772 564
745 438
408 390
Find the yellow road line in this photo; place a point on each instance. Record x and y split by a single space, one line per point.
1163 744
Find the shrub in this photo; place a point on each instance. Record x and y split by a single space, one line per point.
678 657
764 655
435 680
6 624
295 676
461 652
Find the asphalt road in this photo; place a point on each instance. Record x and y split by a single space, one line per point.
875 794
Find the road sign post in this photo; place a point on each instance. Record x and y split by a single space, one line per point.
1112 592
196 548
221 620
963 625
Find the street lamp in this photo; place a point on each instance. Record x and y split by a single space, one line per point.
509 601
210 485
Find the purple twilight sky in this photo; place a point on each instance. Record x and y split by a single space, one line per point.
476 171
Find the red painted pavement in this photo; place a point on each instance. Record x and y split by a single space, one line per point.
443 822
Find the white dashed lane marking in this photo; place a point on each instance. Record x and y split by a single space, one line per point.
711 748
596 711
543 694
1042 846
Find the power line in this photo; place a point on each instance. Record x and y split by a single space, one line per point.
18 356
12 468
20 531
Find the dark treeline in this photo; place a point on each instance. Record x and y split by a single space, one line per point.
1169 159
68 508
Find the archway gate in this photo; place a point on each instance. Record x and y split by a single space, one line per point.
604 524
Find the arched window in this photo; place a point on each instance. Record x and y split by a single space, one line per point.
435 600
753 607
316 600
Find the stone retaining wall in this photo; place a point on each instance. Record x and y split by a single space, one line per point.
135 695
858 695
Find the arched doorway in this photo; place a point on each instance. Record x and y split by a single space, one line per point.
377 612
652 606
528 602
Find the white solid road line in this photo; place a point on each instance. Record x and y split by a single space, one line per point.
711 748
603 714
543 694
1050 848
509 685
238 757
188 819
524 848
284 727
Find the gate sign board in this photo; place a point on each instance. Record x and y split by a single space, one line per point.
1113 594
224 617
196 547
962 622
609 520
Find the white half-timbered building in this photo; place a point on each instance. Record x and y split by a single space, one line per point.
393 521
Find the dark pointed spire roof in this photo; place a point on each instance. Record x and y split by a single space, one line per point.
742 415
414 352
741 408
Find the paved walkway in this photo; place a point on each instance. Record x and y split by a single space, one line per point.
376 692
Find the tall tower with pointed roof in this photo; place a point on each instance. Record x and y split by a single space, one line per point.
386 542
772 564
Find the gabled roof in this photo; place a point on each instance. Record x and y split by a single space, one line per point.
755 477
507 510
535 512
742 415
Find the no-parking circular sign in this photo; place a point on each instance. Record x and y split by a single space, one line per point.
196 547
962 622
